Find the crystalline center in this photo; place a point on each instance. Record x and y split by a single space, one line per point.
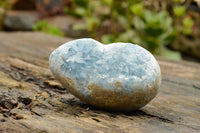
87 61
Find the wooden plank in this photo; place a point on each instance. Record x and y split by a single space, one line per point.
31 100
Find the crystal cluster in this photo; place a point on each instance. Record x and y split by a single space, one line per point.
118 76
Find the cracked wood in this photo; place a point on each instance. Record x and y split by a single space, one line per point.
43 105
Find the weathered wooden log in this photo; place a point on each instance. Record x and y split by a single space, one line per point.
31 100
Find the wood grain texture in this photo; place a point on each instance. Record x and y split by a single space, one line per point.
31 100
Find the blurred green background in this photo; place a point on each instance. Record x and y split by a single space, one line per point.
167 28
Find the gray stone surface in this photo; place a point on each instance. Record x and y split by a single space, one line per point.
20 20
118 76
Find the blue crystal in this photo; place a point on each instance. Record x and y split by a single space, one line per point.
118 76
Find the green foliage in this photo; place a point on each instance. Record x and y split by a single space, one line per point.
187 25
5 5
82 3
85 9
179 11
45 27
78 12
170 54
137 9
2 3
152 30
106 39
108 2
182 23
177 1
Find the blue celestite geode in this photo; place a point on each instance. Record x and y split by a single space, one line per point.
118 76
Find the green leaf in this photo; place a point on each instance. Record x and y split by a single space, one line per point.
82 3
175 55
155 30
139 24
78 12
79 27
137 9
45 27
126 36
106 39
188 22
108 2
169 36
187 25
177 1
40 25
179 11
92 23
123 21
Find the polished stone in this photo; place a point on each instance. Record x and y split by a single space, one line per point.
118 76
